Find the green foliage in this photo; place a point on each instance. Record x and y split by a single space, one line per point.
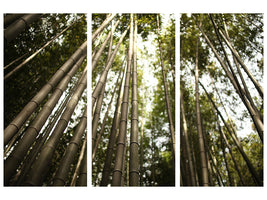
147 23
189 34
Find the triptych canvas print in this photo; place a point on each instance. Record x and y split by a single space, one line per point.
133 99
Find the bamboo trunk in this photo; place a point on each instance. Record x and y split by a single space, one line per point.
95 145
27 163
82 181
213 160
192 174
172 68
247 93
98 54
240 91
255 114
113 134
100 101
186 168
35 53
142 140
82 156
134 158
65 163
102 79
221 102
17 123
32 132
96 115
231 153
11 18
153 150
17 59
231 183
213 169
39 169
199 129
171 125
194 166
103 25
252 170
116 178
12 31
255 82
125 166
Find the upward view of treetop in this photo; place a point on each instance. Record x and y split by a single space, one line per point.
45 112
221 101
133 100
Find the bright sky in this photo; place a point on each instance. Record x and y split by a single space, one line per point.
145 61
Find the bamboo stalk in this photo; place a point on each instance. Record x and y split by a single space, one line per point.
83 154
240 91
192 174
96 57
142 138
40 166
82 181
231 183
247 93
184 164
117 172
253 110
134 145
102 26
199 128
113 134
17 59
100 101
12 31
94 147
231 153
68 157
11 18
252 170
255 82
19 120
29 137
171 125
44 135
102 79
223 135
214 161
36 53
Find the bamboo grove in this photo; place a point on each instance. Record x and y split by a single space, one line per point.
132 106
45 80
221 99
132 145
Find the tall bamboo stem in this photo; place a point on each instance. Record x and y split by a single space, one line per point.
116 178
19 120
39 169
